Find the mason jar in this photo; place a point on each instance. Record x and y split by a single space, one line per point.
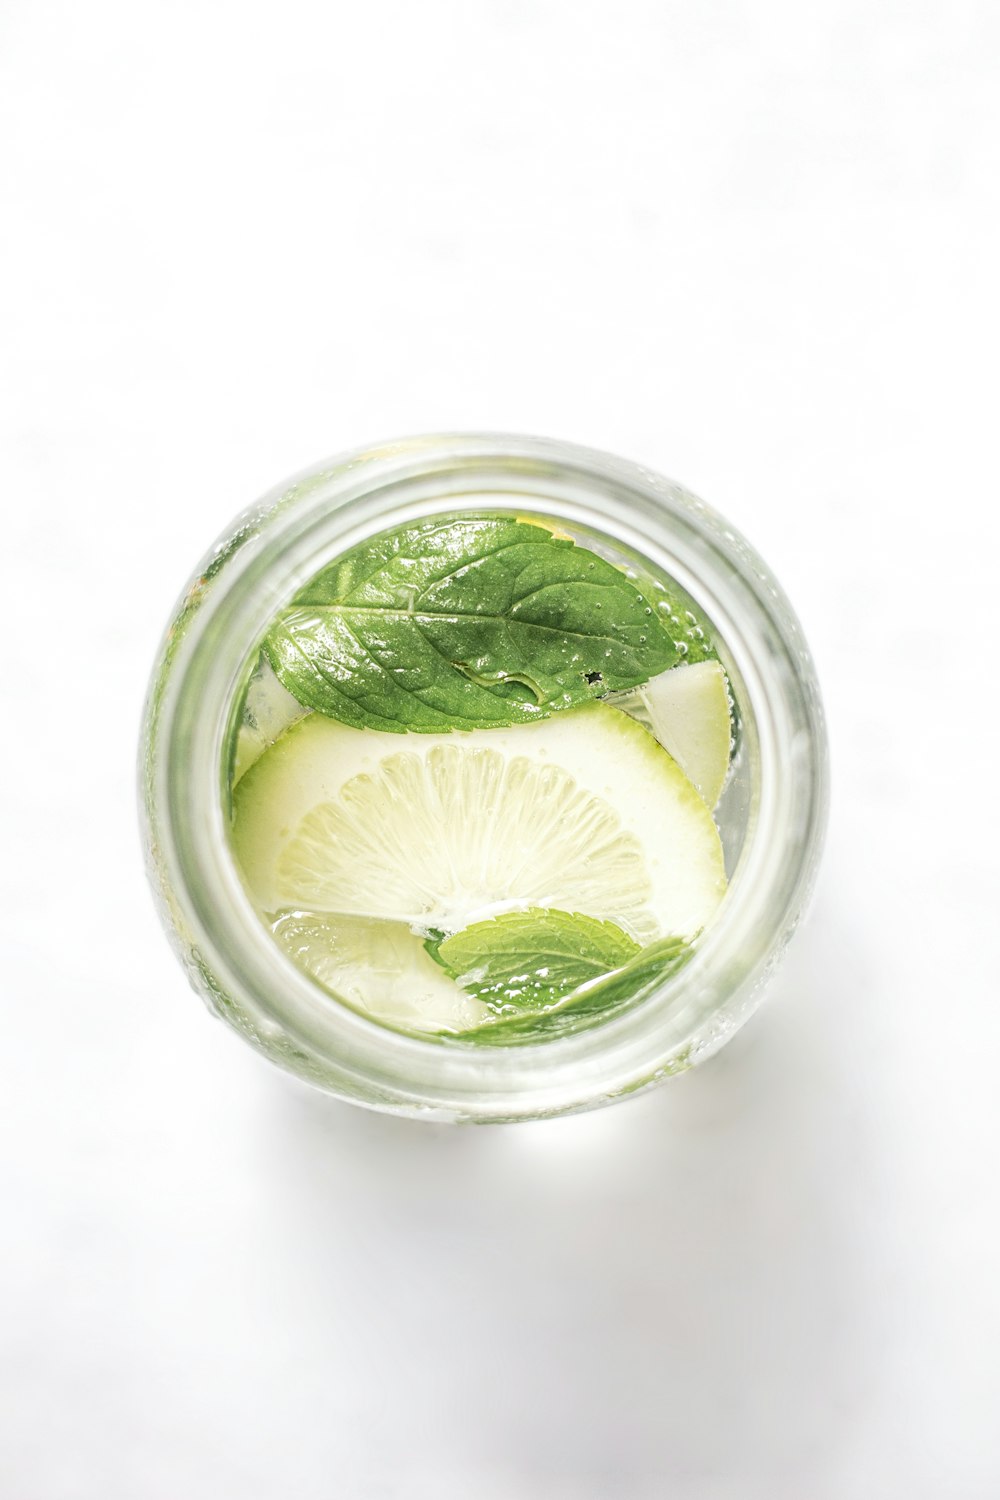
771 817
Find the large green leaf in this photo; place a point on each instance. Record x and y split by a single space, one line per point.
465 623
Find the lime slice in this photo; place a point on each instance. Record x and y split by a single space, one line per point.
380 967
584 812
268 710
688 711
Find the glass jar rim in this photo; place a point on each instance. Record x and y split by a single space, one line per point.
272 551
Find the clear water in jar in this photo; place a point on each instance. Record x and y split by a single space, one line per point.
487 779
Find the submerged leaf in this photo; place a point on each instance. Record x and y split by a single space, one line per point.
602 997
530 960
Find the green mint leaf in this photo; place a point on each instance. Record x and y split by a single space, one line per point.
463 624
605 996
530 960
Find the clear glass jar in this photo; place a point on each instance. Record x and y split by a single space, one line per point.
772 817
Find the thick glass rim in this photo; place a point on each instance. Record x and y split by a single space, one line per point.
269 554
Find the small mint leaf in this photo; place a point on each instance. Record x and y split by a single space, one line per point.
603 997
530 960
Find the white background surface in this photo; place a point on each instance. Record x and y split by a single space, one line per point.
754 245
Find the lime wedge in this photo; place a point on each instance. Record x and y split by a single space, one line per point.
688 711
